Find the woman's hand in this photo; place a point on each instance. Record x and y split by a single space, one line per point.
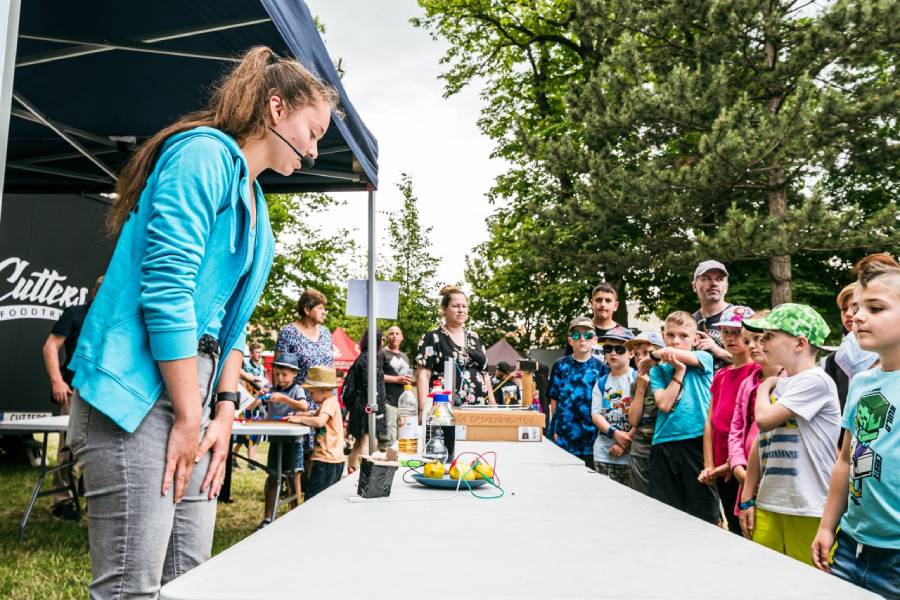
217 438
180 455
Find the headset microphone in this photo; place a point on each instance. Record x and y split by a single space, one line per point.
306 162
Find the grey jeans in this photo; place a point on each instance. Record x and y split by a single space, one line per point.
140 539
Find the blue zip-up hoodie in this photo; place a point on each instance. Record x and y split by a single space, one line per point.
177 261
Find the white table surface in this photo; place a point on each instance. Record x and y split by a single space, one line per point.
38 424
61 423
561 531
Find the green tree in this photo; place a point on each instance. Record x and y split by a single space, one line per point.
763 133
413 266
303 258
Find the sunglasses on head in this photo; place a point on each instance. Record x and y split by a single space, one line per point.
608 348
587 335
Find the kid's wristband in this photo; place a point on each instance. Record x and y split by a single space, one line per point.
748 504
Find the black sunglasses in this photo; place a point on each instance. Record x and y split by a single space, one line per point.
607 348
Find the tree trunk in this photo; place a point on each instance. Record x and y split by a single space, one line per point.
621 314
779 265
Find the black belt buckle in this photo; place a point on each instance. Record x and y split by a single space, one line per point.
209 346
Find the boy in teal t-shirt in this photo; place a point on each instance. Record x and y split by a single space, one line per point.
680 386
873 507
864 494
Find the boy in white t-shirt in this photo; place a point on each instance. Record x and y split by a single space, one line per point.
610 399
799 419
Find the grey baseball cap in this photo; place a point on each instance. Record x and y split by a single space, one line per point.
709 265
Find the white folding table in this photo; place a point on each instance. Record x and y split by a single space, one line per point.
277 433
560 531
44 426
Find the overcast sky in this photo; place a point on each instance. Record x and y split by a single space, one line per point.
392 79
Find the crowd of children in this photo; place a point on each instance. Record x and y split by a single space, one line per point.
734 421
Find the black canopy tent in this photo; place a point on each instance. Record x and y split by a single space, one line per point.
94 79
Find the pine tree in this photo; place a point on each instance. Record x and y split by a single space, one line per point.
413 266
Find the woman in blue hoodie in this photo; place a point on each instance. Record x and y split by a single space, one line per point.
157 364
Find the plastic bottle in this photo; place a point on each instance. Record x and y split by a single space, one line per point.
441 419
408 431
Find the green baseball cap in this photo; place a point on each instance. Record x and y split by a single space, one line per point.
798 320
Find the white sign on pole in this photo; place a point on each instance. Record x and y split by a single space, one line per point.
387 297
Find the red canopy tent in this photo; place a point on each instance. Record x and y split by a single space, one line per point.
345 349
503 351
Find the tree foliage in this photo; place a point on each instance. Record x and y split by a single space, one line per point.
413 266
303 258
647 136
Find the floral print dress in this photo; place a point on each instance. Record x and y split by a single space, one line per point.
471 363
309 354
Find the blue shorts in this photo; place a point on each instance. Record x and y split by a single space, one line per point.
291 456
875 569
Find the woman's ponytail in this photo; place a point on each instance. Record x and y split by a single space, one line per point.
239 106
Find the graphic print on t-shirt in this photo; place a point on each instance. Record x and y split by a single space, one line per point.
873 414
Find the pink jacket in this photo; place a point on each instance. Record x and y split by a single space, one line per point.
743 425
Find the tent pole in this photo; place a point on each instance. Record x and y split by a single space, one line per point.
9 35
371 308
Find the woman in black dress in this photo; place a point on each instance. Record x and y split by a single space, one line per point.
452 340
356 395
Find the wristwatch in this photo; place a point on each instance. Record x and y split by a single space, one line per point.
611 432
227 397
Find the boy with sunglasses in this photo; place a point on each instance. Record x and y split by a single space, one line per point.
571 381
609 407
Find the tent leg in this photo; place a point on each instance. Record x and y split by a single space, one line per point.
9 35
373 327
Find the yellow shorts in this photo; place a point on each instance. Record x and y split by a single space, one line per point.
789 534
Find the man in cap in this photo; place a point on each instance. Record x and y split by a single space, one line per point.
711 284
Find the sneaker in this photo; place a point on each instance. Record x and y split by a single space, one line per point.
235 464
66 511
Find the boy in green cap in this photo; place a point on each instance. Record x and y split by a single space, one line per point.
799 420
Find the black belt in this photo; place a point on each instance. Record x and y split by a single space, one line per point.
209 346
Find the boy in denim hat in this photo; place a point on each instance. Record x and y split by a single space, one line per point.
799 420
286 398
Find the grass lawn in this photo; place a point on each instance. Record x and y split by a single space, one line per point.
53 562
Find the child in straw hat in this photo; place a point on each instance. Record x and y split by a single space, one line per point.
328 455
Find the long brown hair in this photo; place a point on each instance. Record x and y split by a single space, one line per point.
238 106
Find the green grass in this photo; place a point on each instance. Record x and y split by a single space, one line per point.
53 561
